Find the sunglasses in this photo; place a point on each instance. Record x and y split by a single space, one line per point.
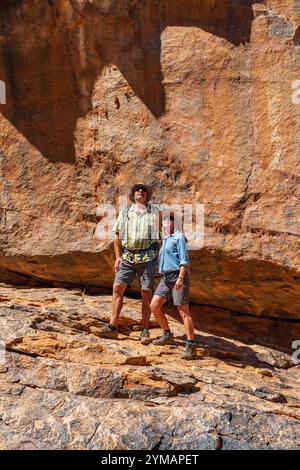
140 188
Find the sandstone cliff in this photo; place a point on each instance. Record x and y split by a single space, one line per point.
195 97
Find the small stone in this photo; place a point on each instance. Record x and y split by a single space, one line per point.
270 395
264 372
137 328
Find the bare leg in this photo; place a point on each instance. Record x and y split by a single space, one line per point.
156 305
188 321
146 311
117 302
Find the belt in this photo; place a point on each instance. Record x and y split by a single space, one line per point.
171 272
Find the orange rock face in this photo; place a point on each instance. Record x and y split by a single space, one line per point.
199 99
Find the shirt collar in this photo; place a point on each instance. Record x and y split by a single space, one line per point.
172 234
142 210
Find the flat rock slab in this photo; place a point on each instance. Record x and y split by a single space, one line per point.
61 386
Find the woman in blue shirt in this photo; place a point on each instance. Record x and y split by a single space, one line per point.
173 264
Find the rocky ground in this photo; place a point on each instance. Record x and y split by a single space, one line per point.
63 387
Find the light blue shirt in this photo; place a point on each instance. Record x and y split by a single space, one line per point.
173 253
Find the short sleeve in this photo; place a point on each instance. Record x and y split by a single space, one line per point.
120 222
182 247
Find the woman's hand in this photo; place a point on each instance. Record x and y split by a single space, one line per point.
179 283
117 263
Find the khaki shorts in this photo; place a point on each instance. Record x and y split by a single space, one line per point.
144 271
166 288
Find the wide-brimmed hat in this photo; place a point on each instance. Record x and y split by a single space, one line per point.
136 185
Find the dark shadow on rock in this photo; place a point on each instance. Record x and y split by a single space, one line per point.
50 57
229 19
276 335
228 352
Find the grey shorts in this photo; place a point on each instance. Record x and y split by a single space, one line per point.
144 271
166 288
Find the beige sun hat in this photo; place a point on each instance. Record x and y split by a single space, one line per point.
136 185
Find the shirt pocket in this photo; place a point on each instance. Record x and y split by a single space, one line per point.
173 247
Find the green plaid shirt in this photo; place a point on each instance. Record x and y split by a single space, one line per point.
139 233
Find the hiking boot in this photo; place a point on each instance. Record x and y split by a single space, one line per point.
189 352
145 337
107 331
166 338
